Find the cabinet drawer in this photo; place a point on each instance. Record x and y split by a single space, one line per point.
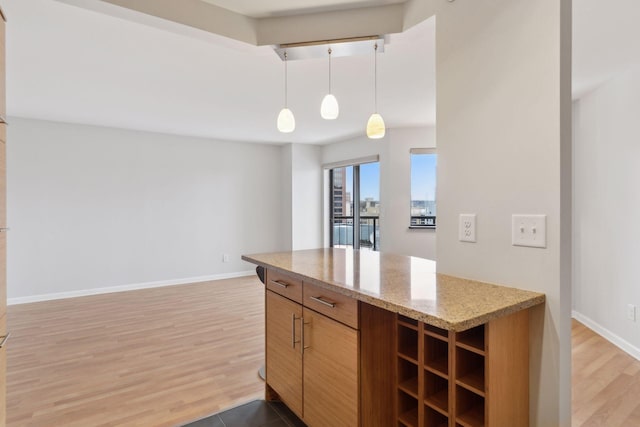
339 307
285 285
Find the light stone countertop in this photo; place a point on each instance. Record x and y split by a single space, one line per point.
406 285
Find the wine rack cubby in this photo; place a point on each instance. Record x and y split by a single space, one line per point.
446 378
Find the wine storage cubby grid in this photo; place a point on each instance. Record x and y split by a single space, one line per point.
440 375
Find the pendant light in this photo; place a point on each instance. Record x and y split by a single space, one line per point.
286 121
329 108
375 125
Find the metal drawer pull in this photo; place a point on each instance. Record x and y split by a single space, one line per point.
293 330
4 340
4 230
281 284
321 301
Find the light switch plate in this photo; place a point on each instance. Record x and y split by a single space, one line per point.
529 230
467 228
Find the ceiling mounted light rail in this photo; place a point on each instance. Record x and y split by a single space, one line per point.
329 109
354 46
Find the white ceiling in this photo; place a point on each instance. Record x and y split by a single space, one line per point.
71 64
265 9
66 63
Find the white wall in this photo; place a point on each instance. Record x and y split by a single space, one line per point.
395 186
504 140
301 197
607 208
306 205
94 207
286 195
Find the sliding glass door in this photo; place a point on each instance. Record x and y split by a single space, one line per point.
355 199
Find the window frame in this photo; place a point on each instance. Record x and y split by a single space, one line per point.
355 163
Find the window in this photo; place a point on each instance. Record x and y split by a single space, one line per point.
355 199
423 188
341 220
369 207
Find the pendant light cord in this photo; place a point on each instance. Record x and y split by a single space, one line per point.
329 69
285 79
375 77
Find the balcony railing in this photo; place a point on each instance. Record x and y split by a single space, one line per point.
423 221
369 232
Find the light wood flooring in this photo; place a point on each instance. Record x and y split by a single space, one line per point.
167 356
156 357
606 382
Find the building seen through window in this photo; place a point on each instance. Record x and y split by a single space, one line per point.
423 188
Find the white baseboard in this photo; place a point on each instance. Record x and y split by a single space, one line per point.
624 345
122 288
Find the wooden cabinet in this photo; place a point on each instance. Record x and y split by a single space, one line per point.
366 365
312 360
283 350
285 285
3 225
3 367
478 377
330 372
332 304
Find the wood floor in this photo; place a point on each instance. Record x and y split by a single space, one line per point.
157 357
606 382
167 356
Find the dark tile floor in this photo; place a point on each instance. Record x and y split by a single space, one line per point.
253 414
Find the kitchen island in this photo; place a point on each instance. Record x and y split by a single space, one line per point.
362 338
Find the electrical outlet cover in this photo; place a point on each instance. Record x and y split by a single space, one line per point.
467 228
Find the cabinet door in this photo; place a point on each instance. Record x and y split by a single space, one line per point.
3 232
3 275
284 353
3 367
330 372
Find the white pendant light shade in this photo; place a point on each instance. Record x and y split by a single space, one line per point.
329 110
375 127
286 121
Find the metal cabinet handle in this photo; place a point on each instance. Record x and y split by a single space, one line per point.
293 330
4 340
4 230
321 301
281 284
302 346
